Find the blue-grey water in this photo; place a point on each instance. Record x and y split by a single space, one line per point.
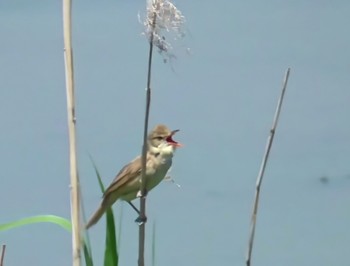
222 95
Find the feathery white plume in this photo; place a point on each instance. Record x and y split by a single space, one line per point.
163 23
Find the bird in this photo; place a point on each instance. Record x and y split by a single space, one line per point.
126 185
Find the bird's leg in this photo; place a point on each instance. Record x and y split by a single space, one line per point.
133 206
139 219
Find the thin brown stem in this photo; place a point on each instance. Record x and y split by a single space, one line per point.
74 183
143 190
262 170
2 256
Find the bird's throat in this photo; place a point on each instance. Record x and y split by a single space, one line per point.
162 151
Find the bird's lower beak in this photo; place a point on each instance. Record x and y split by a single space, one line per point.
176 144
173 142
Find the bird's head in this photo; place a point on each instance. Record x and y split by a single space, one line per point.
161 140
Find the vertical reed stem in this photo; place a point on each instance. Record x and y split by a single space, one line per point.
142 227
74 185
2 255
262 170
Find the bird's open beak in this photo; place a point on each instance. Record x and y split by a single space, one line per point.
171 141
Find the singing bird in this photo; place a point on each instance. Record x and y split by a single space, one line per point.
126 185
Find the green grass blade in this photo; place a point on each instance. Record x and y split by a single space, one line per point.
120 224
87 255
111 253
60 221
86 241
98 175
87 245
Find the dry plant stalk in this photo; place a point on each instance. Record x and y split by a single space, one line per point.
142 228
262 170
74 186
161 15
2 256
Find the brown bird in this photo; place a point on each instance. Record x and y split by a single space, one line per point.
126 185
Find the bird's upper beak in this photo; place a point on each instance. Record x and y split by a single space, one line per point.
174 131
171 141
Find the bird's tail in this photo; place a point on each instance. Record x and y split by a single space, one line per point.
96 216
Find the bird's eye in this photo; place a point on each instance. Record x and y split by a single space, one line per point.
158 138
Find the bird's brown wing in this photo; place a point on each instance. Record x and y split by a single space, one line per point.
126 175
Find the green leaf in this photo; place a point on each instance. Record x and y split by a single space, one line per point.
87 255
62 222
111 253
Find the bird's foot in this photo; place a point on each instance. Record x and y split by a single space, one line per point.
141 220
